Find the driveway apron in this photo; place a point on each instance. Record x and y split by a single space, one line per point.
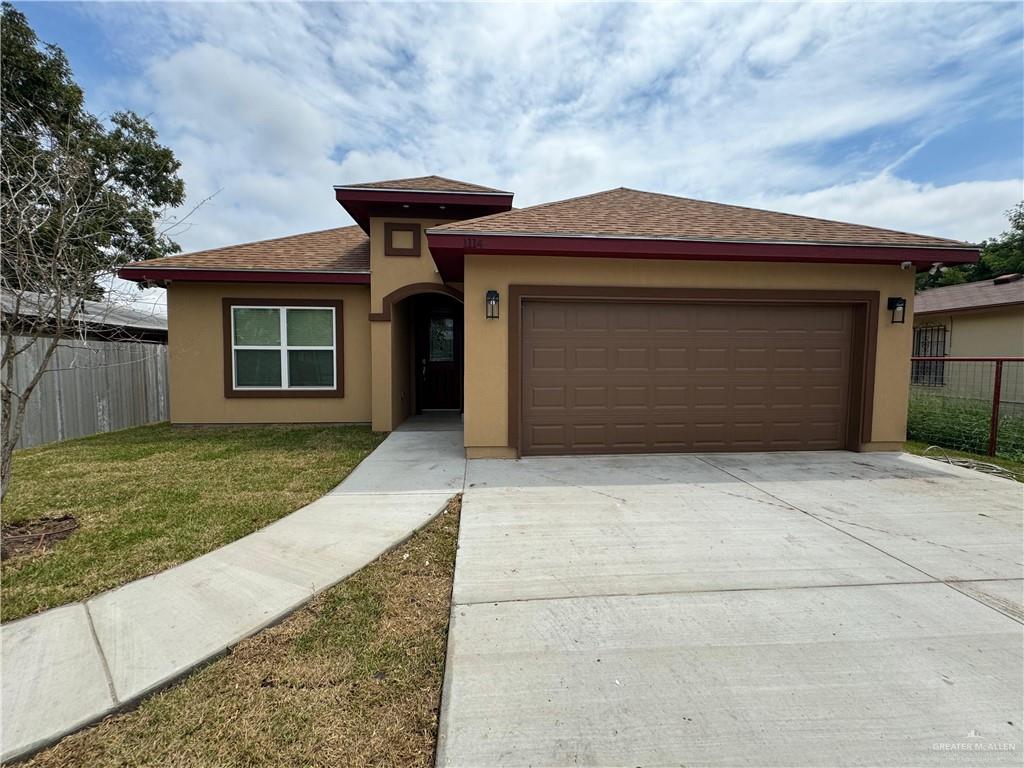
745 609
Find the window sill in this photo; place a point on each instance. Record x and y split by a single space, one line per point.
289 393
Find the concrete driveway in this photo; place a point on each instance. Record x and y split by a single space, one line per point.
745 609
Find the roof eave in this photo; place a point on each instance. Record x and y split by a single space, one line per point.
448 230
361 204
449 249
164 275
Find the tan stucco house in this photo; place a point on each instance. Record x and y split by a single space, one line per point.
973 320
617 322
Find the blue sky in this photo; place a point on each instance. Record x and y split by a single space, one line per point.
900 115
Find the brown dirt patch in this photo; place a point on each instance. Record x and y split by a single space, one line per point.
34 537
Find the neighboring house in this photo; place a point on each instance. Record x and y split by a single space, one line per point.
982 319
109 372
621 321
103 320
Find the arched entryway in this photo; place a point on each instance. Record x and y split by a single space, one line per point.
419 338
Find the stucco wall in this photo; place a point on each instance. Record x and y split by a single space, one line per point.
401 364
486 378
998 333
196 347
981 334
390 350
392 272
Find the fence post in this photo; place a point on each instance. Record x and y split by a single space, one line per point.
993 431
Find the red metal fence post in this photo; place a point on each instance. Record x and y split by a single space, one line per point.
993 431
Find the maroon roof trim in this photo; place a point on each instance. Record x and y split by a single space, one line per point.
449 250
163 275
347 194
362 203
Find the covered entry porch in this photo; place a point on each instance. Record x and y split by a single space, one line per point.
417 352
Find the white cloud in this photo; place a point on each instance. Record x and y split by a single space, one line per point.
801 107
970 210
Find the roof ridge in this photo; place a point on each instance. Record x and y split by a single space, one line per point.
406 178
261 242
470 183
477 188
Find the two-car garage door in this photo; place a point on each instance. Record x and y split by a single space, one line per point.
621 377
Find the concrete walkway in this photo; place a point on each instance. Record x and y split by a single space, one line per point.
71 666
787 609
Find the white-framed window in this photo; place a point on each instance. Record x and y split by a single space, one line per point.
283 348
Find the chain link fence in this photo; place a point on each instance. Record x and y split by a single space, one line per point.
973 404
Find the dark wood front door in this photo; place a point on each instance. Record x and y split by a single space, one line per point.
439 358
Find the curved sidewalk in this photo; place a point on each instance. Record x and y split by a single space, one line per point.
70 666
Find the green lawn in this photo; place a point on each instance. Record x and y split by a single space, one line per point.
1014 466
152 497
353 678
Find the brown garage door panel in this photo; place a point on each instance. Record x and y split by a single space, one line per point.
601 377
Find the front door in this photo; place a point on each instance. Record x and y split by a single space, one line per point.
439 359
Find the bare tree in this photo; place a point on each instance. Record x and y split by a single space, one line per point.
46 215
56 216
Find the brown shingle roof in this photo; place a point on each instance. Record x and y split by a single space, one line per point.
426 184
979 295
633 214
343 249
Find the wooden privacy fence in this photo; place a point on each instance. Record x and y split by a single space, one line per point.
93 386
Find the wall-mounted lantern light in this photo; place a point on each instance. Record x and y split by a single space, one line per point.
898 306
492 305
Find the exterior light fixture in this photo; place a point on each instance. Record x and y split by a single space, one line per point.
491 300
898 306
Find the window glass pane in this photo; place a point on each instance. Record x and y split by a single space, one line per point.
257 368
442 339
310 368
257 327
310 328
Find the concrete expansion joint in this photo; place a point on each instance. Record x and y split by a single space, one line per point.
103 656
824 520
797 587
1005 607
665 593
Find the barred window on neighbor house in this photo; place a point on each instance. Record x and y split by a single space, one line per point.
929 341
283 347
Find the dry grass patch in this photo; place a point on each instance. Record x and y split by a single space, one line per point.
152 497
353 679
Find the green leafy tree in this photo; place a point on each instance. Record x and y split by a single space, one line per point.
79 198
1002 255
